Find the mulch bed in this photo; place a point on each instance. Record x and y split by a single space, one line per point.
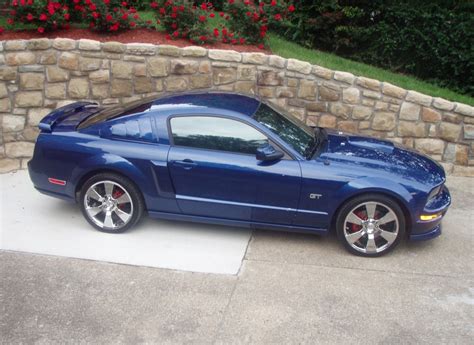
131 36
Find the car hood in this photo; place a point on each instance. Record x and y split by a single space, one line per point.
381 156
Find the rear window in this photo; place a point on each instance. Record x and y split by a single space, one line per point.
114 112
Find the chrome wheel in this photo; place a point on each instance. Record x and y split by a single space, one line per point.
108 205
371 227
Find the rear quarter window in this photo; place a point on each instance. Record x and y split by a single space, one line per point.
136 128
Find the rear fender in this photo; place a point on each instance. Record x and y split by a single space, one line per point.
107 162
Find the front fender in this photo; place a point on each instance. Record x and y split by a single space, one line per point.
373 185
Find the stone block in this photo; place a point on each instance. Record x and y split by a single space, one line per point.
224 55
361 112
141 49
368 83
35 115
194 51
78 88
344 77
270 78
322 72
122 70
20 58
430 146
184 66
299 66
5 105
38 44
144 85
176 84
351 95
31 81
121 88
85 44
158 67
449 131
27 99
113 47
100 91
3 90
69 61
99 77
410 111
276 61
340 110
89 64
168 50
201 81
464 109
430 115
410 129
442 104
327 121
419 98
8 165
393 91
19 149
254 58
64 44
48 58
13 123
383 121
56 91
328 94
224 75
468 132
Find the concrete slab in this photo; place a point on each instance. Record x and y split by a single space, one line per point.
279 303
57 300
450 254
32 222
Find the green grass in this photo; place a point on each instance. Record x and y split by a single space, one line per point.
282 47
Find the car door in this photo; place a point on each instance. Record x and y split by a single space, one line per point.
215 172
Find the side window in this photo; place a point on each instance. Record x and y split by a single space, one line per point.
135 128
216 133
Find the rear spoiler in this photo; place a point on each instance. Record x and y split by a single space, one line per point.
48 122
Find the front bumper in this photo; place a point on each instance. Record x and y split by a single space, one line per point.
427 230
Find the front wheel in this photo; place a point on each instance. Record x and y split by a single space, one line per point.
370 225
111 203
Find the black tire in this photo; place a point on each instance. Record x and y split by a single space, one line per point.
383 237
131 210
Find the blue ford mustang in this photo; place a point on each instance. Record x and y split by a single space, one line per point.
231 159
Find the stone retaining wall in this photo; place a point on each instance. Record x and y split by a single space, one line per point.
39 75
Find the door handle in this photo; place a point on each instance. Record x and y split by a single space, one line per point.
185 164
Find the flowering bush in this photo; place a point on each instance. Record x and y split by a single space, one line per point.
45 15
249 20
108 15
183 20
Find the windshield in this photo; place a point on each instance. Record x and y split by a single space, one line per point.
292 131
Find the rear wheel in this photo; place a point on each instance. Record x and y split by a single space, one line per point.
370 225
111 203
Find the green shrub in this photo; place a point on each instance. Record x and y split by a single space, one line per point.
431 40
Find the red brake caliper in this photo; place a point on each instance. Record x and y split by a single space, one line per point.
117 194
355 227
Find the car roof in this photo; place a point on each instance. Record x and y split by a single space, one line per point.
210 100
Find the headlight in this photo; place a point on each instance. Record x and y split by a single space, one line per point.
435 192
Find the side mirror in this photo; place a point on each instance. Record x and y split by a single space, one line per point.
268 153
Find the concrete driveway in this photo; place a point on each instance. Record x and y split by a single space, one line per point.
290 289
